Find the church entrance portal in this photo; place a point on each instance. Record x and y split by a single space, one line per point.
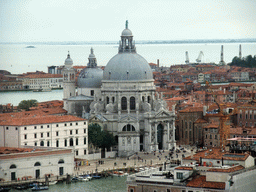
160 131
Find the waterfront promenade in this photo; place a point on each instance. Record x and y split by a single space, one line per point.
141 159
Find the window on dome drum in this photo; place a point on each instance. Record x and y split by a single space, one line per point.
13 166
37 164
128 127
143 98
113 99
61 161
124 103
92 92
107 99
132 103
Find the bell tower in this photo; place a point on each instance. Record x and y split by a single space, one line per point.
69 88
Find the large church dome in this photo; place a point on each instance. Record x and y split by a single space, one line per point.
91 76
127 65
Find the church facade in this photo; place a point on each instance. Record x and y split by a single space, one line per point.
126 103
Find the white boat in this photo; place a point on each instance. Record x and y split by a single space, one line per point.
82 179
52 182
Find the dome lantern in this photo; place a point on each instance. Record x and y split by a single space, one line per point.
126 44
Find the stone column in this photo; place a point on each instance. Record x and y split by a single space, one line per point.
168 135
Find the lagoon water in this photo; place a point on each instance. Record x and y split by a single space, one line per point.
16 58
110 184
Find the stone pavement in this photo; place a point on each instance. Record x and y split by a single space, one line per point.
141 159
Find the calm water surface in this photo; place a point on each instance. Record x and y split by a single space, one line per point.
115 184
17 96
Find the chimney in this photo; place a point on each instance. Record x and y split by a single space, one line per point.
158 63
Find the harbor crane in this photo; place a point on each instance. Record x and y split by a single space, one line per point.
199 58
187 58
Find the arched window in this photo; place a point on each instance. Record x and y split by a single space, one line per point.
37 164
65 143
61 161
113 99
42 143
124 103
71 142
13 166
107 98
76 141
148 99
143 98
57 143
128 127
132 103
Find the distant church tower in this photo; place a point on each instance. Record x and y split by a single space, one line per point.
69 88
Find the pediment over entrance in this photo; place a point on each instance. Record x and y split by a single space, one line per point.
128 118
163 114
97 118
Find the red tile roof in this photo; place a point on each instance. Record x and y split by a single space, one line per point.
184 168
38 119
228 170
200 182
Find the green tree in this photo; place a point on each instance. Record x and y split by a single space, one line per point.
100 138
26 104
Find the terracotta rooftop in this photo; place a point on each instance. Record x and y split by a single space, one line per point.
35 120
191 109
200 182
228 170
216 153
184 168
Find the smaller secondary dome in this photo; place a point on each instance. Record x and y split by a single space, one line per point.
90 78
126 32
68 61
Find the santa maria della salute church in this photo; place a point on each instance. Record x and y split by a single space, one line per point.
122 99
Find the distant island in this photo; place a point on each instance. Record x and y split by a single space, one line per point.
30 46
187 41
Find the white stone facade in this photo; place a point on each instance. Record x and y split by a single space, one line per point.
20 166
57 133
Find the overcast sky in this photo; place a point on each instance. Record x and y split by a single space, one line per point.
102 20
